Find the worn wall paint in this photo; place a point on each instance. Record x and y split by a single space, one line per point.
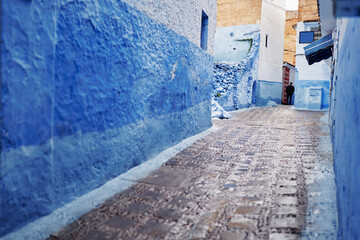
305 99
265 91
89 90
345 119
176 15
232 44
232 83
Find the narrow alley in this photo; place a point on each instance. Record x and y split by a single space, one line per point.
257 177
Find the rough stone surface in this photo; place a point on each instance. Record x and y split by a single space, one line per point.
89 90
256 178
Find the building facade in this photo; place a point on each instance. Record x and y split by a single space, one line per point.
91 89
312 83
243 25
345 109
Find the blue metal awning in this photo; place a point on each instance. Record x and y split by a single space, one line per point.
319 50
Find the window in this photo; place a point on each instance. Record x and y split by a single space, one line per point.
266 40
204 30
306 37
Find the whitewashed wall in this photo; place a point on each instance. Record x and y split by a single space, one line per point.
316 71
272 24
179 16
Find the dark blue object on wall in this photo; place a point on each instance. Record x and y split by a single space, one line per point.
306 37
319 50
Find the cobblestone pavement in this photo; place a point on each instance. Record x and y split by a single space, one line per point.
248 180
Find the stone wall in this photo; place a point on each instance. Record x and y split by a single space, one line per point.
238 12
233 82
91 89
290 37
308 10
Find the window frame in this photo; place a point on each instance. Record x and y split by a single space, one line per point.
305 42
204 30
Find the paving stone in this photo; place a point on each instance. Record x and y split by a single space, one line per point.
65 231
120 222
287 183
90 215
172 163
199 232
232 236
151 196
138 208
192 165
284 210
155 229
247 210
167 177
181 201
168 214
98 235
284 223
283 236
250 180
238 221
287 200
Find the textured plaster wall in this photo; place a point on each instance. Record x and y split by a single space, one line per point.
176 14
89 90
308 10
233 82
265 91
345 109
290 37
303 97
269 86
232 44
271 57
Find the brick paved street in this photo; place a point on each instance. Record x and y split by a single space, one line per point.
265 174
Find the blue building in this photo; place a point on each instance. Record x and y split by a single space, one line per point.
345 109
91 89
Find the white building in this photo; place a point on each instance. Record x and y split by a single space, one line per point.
233 44
312 81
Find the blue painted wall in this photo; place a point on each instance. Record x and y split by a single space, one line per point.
89 90
232 83
303 99
265 91
345 116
